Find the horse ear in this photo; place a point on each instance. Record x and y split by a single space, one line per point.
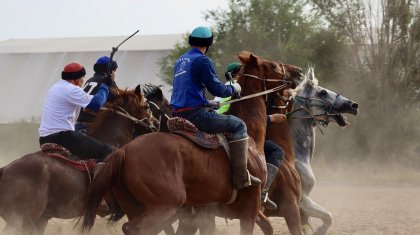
254 59
138 90
243 56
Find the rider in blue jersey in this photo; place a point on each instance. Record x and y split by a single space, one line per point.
194 72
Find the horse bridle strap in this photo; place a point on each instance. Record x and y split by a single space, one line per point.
267 80
254 95
124 113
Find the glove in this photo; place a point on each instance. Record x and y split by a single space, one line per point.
108 81
213 103
277 118
236 88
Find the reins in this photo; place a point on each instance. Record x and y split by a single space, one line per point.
125 114
160 112
254 95
307 109
265 92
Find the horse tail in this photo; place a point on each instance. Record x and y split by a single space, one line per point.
1 172
106 178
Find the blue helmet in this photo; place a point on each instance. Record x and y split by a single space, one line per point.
201 36
101 65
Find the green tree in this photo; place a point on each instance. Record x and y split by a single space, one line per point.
272 29
382 71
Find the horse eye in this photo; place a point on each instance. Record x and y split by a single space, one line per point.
324 93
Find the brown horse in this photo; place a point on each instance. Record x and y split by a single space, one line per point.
285 190
203 218
35 188
153 176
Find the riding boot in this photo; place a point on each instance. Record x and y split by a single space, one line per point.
239 156
271 175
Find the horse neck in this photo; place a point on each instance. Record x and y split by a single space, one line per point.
115 130
302 132
280 134
253 113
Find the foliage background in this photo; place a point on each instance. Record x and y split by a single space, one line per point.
369 51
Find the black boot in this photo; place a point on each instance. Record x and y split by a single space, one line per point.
271 175
239 156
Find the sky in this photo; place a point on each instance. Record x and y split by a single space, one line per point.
22 19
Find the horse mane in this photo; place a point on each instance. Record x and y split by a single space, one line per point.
309 78
126 99
152 91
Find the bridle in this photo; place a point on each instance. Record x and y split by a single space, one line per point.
308 103
145 122
286 100
265 80
161 113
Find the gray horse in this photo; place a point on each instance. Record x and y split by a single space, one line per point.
313 106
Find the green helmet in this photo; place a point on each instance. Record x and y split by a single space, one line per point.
231 70
233 67
201 36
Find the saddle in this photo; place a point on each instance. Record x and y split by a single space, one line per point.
186 129
63 154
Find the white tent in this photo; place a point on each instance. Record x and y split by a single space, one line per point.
28 67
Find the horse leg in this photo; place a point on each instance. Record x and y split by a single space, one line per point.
187 221
292 217
308 207
206 219
150 220
264 225
41 224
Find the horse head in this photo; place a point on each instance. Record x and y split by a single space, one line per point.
158 104
128 105
321 104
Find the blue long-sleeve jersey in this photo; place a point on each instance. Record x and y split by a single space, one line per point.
99 98
193 74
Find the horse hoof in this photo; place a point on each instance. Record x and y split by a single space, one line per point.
306 229
321 231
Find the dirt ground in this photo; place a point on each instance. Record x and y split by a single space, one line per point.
365 199
364 210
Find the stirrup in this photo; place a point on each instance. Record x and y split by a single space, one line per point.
268 204
250 180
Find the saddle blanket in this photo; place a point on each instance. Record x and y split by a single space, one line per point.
63 154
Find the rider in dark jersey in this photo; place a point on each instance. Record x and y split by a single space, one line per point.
92 86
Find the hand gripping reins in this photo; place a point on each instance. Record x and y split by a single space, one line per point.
255 95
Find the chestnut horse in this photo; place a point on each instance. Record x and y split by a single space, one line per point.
156 174
35 188
313 106
203 218
285 190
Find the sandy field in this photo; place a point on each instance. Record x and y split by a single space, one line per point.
369 209
364 198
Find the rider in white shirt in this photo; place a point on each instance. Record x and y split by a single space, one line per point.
62 103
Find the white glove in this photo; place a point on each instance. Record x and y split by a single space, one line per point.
213 103
236 87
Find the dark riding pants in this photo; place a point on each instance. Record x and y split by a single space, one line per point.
213 122
274 154
79 144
